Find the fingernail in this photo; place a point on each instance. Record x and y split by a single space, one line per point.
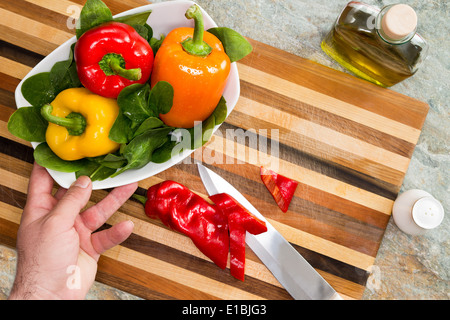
82 182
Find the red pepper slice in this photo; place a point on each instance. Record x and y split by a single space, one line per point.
112 56
184 211
281 188
239 221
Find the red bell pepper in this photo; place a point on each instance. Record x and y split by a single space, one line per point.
112 56
239 221
184 211
281 188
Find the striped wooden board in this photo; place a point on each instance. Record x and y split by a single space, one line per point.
347 142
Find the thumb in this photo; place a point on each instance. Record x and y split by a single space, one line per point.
75 199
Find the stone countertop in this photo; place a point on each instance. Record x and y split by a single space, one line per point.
406 267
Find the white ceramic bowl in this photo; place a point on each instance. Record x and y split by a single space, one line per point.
165 17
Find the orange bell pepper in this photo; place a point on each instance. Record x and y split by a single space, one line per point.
194 62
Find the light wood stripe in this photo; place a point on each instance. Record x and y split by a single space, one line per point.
60 6
13 68
10 213
328 103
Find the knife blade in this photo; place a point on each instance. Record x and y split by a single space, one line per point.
294 273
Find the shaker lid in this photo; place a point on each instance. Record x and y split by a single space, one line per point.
399 21
428 212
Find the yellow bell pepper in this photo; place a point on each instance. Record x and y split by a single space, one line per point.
79 124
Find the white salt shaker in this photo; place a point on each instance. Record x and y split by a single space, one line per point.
416 211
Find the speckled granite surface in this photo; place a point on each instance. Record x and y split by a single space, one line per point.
406 267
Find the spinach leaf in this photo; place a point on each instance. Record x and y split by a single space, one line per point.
139 151
220 112
121 131
143 31
161 98
45 157
201 133
133 102
155 43
64 74
94 13
28 124
166 152
95 171
135 19
149 123
38 89
235 45
113 161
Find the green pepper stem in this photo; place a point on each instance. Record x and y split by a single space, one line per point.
140 198
196 46
130 74
75 123
114 64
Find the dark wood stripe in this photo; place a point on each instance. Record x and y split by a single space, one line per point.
7 97
324 118
326 80
333 266
8 82
23 56
16 150
12 197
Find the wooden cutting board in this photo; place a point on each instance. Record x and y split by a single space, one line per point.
347 142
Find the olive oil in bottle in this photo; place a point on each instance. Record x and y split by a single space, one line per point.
380 46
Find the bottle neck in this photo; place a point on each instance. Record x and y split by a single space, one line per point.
381 25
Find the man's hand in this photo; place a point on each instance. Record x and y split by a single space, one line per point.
56 244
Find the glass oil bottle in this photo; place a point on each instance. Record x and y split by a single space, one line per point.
380 46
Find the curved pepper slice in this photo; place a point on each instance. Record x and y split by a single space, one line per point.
186 212
112 56
240 220
79 124
281 188
194 62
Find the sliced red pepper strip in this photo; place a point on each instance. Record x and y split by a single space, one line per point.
240 220
281 188
186 212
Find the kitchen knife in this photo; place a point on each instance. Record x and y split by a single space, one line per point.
296 275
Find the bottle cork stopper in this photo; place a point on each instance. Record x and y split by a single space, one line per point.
399 21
